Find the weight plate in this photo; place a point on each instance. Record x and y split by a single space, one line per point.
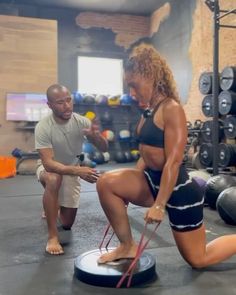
207 105
205 83
230 127
206 154
228 78
224 155
227 103
206 131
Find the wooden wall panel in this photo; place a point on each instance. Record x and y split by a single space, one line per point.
28 63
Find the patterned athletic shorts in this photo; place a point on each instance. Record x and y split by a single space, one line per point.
185 206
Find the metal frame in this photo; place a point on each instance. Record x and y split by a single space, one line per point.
213 5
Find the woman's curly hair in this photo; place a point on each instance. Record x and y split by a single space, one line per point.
147 62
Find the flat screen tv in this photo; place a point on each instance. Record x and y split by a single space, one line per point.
29 107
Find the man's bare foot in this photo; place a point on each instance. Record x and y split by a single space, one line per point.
43 215
53 247
119 253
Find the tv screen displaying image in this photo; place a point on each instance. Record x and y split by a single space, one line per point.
29 107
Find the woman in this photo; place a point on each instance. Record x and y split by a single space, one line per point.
160 181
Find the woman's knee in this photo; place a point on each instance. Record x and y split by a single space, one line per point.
196 262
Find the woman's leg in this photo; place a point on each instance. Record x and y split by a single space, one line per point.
115 190
194 249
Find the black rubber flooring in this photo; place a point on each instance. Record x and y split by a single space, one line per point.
26 269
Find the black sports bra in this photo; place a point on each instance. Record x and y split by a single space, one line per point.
150 134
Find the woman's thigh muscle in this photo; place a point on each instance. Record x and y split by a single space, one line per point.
130 185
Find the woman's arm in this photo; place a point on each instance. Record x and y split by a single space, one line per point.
175 141
140 165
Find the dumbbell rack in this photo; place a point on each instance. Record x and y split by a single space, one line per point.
213 5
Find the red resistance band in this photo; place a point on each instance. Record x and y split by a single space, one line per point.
141 246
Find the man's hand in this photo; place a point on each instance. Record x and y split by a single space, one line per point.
88 174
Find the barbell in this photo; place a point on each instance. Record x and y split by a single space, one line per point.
227 128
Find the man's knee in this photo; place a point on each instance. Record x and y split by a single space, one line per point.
52 180
67 227
67 217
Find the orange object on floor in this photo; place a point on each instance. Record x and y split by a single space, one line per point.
7 166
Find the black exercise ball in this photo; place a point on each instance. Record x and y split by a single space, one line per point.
201 182
106 118
128 156
215 185
226 205
120 157
88 99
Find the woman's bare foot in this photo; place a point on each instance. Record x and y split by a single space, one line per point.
53 247
119 253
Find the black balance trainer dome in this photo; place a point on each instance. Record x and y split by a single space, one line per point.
215 185
87 270
226 205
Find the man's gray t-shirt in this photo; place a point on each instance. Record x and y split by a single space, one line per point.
66 140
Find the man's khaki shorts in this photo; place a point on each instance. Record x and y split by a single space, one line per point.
69 193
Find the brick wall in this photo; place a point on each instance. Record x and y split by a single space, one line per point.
201 51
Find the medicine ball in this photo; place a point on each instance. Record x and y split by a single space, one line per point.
215 185
101 99
126 99
106 156
88 148
201 182
128 156
226 205
108 134
77 97
114 100
135 154
89 99
98 158
120 157
124 135
201 177
90 115
106 118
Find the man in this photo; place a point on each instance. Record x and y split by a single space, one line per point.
58 139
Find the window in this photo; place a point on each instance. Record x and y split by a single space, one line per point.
100 75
